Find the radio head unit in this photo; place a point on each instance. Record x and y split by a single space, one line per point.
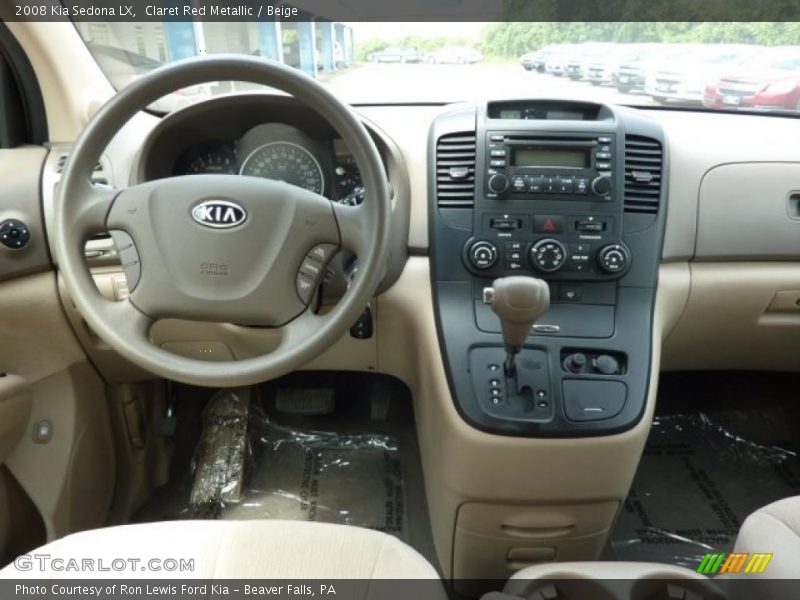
549 167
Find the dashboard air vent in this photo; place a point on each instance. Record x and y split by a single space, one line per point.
62 161
455 170
643 169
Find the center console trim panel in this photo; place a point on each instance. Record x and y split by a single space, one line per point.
604 312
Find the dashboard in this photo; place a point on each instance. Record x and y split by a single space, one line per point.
255 135
281 152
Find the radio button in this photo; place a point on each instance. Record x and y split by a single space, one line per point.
581 185
498 183
601 155
598 165
519 183
497 137
602 186
536 184
551 185
497 163
548 224
566 185
604 139
604 149
499 153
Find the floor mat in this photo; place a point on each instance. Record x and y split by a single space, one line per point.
358 465
701 474
319 476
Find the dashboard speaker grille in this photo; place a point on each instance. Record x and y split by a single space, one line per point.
455 170
644 159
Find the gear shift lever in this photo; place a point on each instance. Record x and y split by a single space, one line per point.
518 301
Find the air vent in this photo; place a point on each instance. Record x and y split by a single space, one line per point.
643 169
62 161
455 170
99 177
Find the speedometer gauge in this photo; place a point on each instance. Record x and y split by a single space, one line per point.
285 161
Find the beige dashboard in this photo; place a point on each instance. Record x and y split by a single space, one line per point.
728 293
729 263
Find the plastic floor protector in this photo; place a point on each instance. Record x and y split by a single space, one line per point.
277 472
318 476
699 478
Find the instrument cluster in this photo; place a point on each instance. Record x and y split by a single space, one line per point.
280 152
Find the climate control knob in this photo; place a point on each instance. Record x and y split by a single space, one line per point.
601 185
548 255
498 183
482 255
613 258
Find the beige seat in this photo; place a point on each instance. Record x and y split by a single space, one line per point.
774 529
268 549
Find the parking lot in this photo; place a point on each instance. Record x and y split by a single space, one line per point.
436 83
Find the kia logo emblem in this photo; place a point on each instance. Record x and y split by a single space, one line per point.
219 214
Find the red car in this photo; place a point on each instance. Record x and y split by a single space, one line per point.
770 83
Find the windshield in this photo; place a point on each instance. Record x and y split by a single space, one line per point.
723 66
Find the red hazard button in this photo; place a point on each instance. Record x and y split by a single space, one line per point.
548 224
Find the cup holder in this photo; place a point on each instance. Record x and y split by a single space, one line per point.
608 581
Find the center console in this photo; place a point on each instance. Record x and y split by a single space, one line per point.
569 192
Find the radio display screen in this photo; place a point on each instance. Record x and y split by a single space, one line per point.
547 156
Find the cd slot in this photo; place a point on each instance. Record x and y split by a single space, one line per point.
550 142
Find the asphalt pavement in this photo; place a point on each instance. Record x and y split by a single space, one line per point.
402 83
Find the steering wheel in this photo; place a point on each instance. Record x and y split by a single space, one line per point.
220 247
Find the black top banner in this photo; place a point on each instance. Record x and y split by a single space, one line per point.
400 10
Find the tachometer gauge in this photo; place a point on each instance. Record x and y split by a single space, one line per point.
285 161
212 157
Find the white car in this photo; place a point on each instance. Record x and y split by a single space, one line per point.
558 60
455 55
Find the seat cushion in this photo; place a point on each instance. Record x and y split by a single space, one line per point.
774 529
268 549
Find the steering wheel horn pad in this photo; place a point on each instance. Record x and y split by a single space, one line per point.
240 267
221 248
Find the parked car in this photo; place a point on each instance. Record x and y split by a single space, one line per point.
631 72
685 78
528 60
395 54
601 69
582 55
557 60
455 55
768 82
538 60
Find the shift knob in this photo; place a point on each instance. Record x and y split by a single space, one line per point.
518 301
